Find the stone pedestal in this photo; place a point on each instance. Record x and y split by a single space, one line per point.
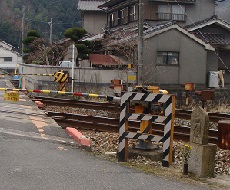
202 160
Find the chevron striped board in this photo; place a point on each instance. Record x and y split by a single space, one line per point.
167 119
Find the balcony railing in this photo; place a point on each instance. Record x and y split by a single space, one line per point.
170 16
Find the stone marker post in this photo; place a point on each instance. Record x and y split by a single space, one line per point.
202 159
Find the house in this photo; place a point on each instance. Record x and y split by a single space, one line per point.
124 12
175 50
93 18
106 61
8 58
215 32
169 50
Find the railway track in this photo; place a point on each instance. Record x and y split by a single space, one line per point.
112 107
106 106
181 132
112 125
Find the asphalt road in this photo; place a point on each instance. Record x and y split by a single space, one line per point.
30 164
37 154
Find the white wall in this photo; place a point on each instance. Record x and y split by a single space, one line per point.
82 75
9 64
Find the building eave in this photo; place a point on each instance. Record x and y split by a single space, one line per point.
208 22
89 5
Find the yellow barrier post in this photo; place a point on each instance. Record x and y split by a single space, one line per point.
145 126
61 77
12 96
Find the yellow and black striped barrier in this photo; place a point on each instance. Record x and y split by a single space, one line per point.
61 77
109 98
50 75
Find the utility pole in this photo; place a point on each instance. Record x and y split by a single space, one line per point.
74 56
140 43
23 23
51 29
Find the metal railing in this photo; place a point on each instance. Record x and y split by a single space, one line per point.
171 16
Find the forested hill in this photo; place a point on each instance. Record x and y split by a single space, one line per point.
38 14
64 14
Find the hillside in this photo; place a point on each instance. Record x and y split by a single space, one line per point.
38 13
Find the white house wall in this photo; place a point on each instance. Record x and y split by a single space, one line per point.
9 64
192 59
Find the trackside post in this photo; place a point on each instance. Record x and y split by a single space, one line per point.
167 119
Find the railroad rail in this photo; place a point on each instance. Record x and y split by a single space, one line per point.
112 125
106 106
181 132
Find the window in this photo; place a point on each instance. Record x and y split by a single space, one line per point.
7 59
113 19
133 13
167 58
121 17
171 12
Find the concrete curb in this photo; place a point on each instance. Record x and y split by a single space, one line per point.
39 104
77 136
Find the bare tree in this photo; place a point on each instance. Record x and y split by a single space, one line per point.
47 55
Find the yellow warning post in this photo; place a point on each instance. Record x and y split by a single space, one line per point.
12 96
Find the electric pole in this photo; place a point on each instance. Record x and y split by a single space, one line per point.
23 23
140 43
51 29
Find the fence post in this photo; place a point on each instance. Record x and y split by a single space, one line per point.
224 134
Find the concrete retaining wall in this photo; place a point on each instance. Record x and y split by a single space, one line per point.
87 79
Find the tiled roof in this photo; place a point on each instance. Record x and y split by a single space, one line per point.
90 5
92 37
178 1
212 38
106 60
3 42
7 49
112 3
213 20
129 35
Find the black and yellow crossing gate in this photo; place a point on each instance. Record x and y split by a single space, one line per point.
61 77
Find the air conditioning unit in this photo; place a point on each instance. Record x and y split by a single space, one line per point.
213 79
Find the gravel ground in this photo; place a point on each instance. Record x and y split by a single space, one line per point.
106 143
